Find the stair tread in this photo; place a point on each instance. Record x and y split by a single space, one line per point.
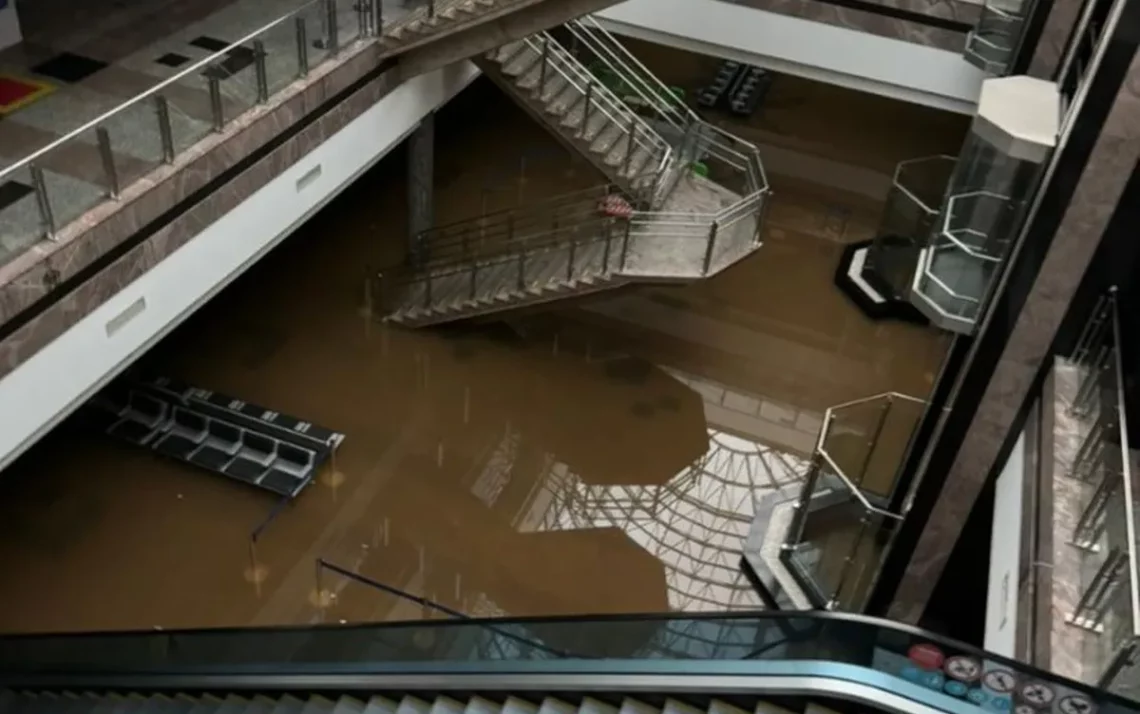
316 704
514 705
380 705
413 705
629 705
479 705
716 706
594 706
446 705
551 705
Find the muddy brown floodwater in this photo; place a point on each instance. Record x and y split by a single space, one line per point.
602 457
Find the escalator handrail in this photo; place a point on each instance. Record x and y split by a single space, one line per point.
816 617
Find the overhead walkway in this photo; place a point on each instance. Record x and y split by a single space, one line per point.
685 200
727 663
911 72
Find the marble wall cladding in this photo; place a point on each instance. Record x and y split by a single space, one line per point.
1110 164
1063 16
894 28
30 276
42 329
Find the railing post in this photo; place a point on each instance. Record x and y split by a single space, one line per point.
378 16
302 48
363 23
709 249
799 517
624 245
331 27
259 69
216 103
606 248
629 144
42 199
108 157
873 441
542 69
586 109
849 562
474 276
165 132
522 270
570 262
431 9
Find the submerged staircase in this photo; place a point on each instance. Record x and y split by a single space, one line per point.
684 199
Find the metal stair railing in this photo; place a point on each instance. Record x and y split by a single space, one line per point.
648 87
514 237
562 62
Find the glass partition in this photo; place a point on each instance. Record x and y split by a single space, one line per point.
908 220
963 258
843 520
992 42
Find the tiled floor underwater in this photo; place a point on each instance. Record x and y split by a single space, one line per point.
602 458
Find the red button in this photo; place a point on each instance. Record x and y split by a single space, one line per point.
926 656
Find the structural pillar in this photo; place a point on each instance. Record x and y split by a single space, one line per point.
421 179
1085 183
9 24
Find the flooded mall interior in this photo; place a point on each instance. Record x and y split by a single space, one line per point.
604 454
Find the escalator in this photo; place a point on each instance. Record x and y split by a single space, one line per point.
723 663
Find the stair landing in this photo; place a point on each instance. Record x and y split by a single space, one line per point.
672 245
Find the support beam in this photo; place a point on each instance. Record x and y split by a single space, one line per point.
421 180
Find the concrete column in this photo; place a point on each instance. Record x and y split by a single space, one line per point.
9 24
421 179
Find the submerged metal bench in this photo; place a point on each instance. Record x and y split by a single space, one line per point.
227 436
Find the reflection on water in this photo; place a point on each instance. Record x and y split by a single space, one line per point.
604 458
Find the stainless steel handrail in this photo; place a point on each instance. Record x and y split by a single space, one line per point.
156 89
1126 467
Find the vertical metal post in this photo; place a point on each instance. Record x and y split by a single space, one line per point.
108 157
570 263
606 247
542 69
586 109
709 250
165 131
216 103
260 71
474 277
849 562
378 16
799 518
522 270
363 26
624 246
873 441
42 199
302 48
629 144
431 9
331 28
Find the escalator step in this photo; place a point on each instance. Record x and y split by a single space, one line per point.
348 705
446 705
411 705
672 706
479 705
715 707
380 705
636 706
260 704
593 706
550 705
205 704
233 704
514 705
317 704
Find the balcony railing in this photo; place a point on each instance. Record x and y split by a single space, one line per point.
1109 604
992 42
958 267
909 219
843 522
